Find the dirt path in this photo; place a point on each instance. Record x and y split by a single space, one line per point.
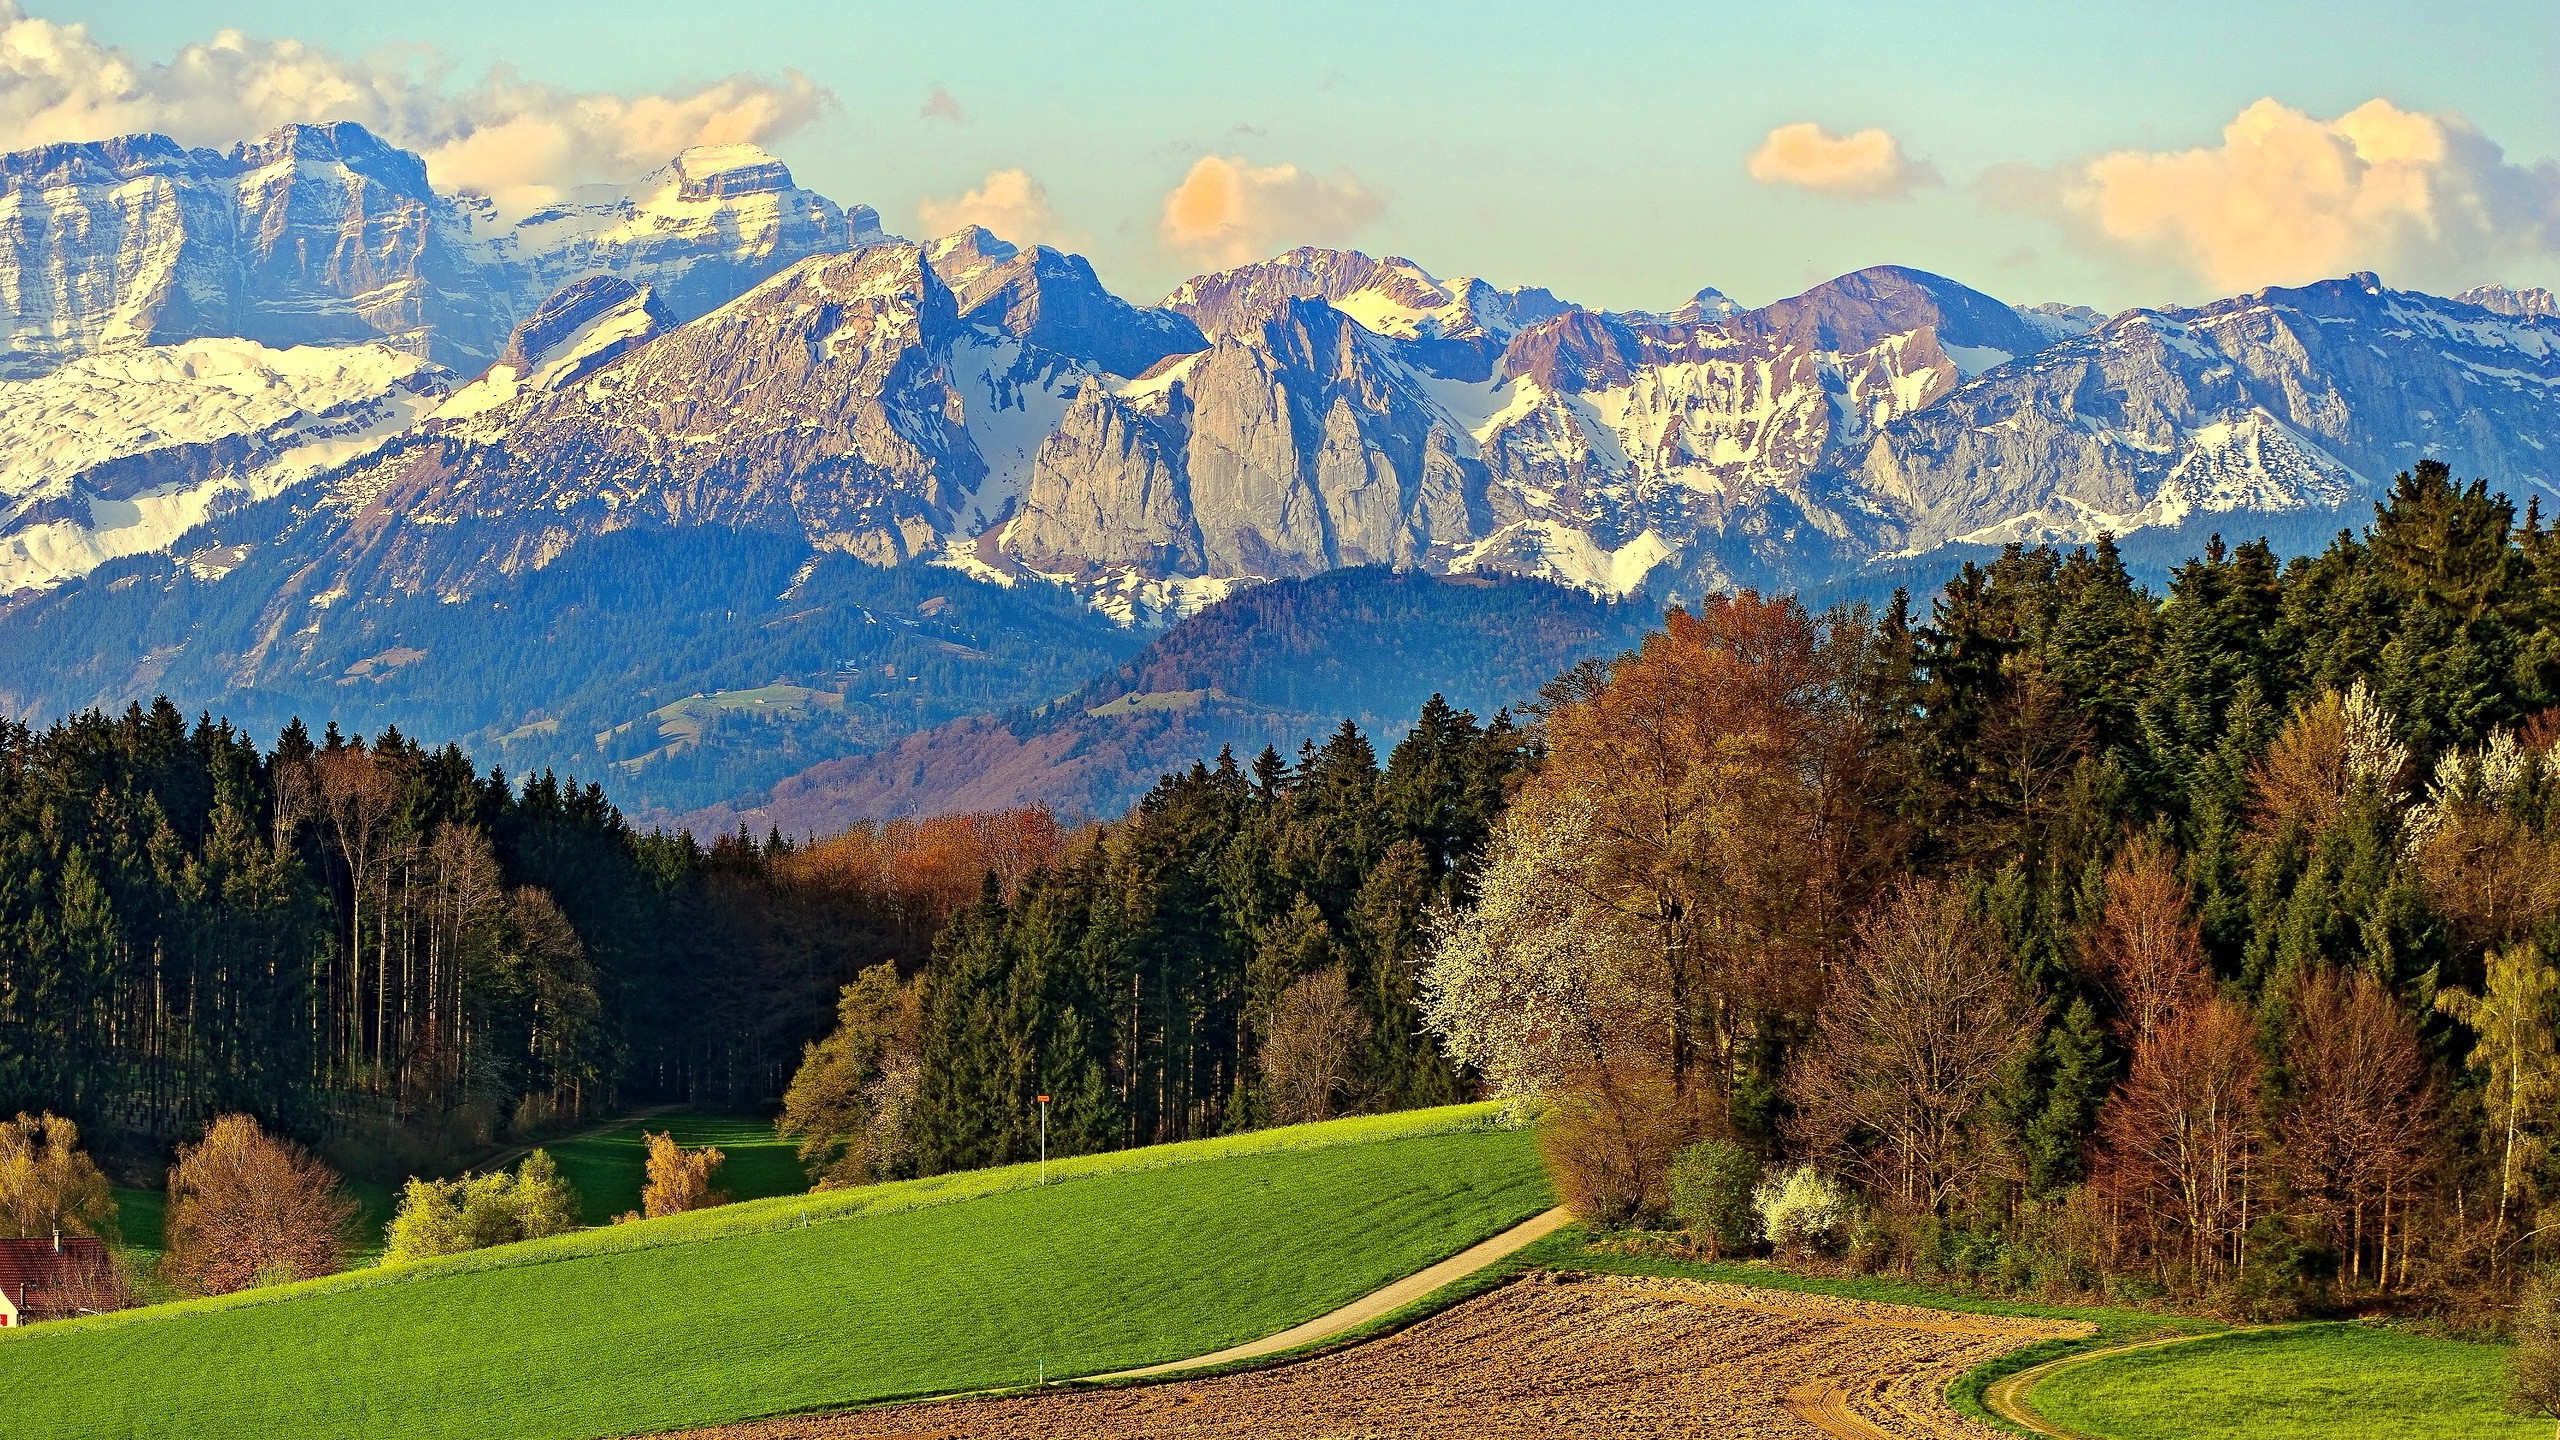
1376 1305
1542 1359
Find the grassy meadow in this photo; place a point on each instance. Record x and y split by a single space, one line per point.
2315 1382
806 1301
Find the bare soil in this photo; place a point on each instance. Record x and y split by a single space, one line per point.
1548 1356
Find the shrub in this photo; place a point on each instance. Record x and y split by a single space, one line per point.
247 1208
2533 1373
46 1183
1711 1185
1803 1209
447 1217
680 1179
1608 1149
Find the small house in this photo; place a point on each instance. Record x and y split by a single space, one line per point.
50 1278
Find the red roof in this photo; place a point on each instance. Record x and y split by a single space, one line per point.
34 1265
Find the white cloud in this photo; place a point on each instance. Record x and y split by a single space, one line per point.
1869 165
516 140
942 105
2426 199
1226 212
1008 202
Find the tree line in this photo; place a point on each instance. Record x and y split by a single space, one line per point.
2068 936
379 948
1242 948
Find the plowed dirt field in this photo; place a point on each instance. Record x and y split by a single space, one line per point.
1556 1356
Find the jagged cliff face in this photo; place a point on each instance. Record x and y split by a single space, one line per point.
823 401
2285 400
1300 448
324 235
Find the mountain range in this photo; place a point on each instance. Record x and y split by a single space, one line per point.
292 431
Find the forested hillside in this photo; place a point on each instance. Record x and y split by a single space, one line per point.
383 946
1272 665
2070 936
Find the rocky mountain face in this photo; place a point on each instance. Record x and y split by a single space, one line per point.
2283 400
2506 300
324 235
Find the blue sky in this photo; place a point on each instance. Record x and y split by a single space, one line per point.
1600 151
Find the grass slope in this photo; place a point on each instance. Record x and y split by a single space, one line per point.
2316 1382
804 1301
609 1170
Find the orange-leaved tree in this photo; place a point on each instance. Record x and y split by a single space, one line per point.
248 1208
680 1179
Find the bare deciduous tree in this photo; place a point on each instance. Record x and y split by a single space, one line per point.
47 1183
1306 1058
2355 1131
2146 948
1911 1042
247 1208
2181 1137
680 1179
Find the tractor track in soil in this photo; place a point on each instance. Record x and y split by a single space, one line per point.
1547 1356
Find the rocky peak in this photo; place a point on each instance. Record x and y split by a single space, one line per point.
1053 301
587 324
2527 304
964 256
1864 308
1393 297
344 145
1573 352
721 172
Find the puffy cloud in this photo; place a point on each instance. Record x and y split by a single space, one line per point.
520 142
1226 212
1869 165
942 105
1008 202
2427 199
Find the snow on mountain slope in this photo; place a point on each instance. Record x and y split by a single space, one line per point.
1392 297
586 326
698 232
123 453
2282 401
324 234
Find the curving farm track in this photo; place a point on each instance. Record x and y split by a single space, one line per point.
1549 1356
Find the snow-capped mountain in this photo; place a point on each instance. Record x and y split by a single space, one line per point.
122 453
325 235
2532 303
1392 297
2285 400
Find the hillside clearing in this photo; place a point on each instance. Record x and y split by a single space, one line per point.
922 1287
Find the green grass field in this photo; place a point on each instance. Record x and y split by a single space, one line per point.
608 1170
2316 1382
801 1302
